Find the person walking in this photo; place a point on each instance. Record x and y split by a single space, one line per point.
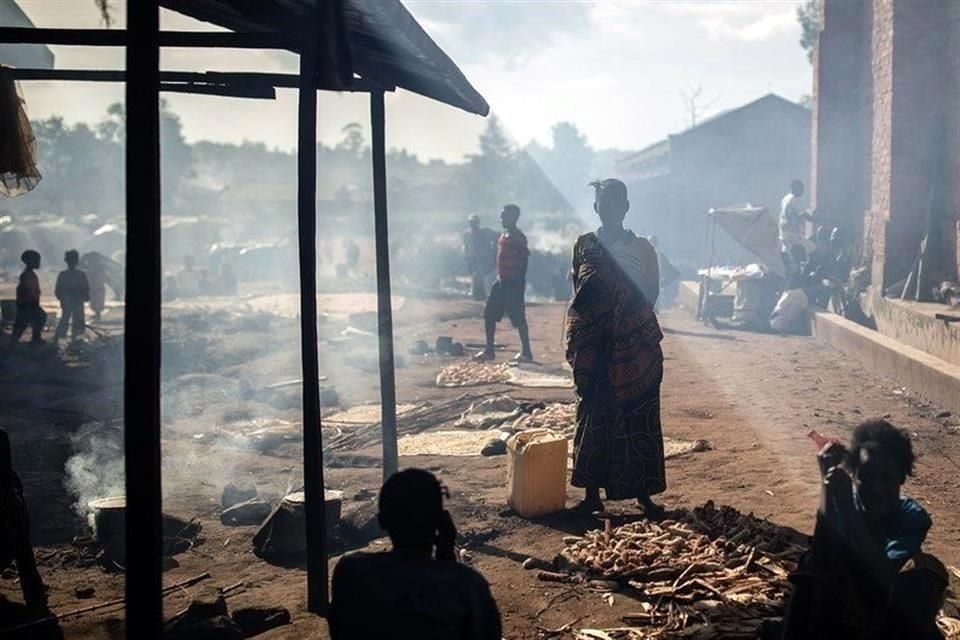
29 312
507 293
72 290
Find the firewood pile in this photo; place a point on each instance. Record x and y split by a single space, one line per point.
711 573
471 373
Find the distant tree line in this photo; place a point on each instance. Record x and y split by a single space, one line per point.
83 168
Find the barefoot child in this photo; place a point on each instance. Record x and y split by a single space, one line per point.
29 313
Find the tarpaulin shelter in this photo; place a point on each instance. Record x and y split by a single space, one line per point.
755 230
344 45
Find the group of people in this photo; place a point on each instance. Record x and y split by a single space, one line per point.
816 267
864 577
612 344
190 282
75 287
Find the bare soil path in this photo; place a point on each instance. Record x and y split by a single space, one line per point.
753 397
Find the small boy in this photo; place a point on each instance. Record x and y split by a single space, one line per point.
866 576
29 312
72 290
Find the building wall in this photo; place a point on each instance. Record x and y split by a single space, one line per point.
882 145
748 155
910 117
951 223
842 117
887 129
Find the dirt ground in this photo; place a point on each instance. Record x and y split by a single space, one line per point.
753 397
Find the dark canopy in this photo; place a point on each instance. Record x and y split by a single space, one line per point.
385 44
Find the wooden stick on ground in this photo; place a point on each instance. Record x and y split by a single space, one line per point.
189 582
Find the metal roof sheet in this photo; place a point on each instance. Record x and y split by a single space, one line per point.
386 45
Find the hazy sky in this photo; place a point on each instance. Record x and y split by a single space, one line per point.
615 68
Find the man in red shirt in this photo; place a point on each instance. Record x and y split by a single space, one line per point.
506 294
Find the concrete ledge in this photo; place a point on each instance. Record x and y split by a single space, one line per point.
914 324
934 379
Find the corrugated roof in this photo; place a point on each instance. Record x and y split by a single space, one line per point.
387 46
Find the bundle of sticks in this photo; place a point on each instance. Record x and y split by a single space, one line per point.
710 573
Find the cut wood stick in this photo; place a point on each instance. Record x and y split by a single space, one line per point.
189 582
552 576
683 575
232 587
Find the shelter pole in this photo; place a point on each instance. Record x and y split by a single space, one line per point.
313 484
141 344
118 38
388 390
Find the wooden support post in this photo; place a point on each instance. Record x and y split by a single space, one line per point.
118 38
314 499
388 390
141 344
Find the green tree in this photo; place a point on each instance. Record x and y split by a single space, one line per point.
176 161
490 176
352 141
81 172
176 156
809 16
571 159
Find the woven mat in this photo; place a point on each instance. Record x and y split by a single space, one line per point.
445 443
469 443
364 414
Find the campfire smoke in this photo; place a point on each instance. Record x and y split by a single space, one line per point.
95 470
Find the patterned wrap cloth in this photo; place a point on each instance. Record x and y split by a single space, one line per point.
613 345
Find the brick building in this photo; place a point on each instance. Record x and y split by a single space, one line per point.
886 130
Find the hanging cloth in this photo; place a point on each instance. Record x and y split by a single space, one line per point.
18 146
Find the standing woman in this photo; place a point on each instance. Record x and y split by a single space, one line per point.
613 345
